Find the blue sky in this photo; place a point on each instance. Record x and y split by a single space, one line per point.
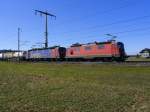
80 21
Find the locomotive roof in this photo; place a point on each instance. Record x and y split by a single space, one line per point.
78 45
44 48
5 51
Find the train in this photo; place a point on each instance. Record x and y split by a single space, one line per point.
96 51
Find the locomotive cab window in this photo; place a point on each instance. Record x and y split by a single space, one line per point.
101 46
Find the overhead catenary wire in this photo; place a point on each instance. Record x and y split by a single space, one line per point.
108 24
121 32
112 32
102 12
126 26
128 31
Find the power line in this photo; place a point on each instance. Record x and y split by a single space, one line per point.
122 21
101 12
129 31
121 32
92 36
111 24
127 26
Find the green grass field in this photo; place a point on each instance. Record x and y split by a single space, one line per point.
44 87
138 59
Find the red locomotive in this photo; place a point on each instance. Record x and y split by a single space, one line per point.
104 51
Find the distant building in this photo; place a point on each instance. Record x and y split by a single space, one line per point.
145 53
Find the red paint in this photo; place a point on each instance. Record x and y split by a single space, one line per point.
54 53
92 50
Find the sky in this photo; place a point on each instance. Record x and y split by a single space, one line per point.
81 21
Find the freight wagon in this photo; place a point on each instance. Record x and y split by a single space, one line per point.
1 56
10 55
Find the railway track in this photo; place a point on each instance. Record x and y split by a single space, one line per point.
134 63
137 62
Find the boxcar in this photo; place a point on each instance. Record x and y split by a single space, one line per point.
12 55
7 55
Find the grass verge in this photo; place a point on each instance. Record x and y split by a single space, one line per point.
41 87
